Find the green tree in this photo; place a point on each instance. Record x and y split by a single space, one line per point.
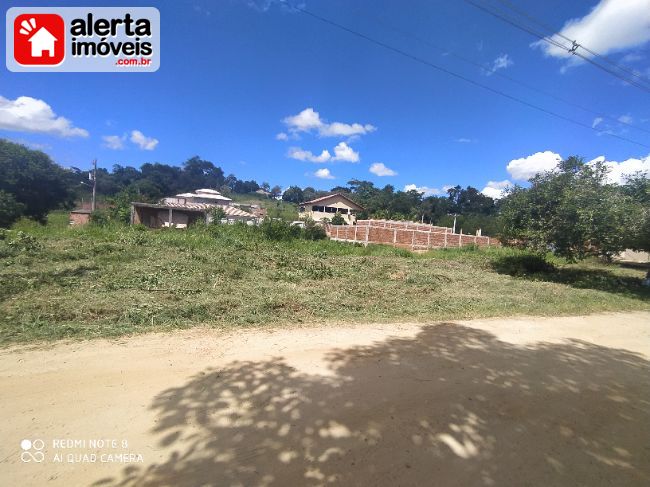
10 209
293 194
637 187
33 180
572 211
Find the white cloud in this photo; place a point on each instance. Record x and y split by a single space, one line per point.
380 169
597 121
142 141
114 142
613 25
625 119
496 189
619 170
425 190
526 167
281 136
309 120
464 140
26 114
501 62
343 152
324 173
305 155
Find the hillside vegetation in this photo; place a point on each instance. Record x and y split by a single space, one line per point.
60 282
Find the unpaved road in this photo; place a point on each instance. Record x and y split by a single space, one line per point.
543 401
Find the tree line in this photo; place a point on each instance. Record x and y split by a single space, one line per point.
572 211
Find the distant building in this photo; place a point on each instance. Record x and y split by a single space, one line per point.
264 192
187 208
80 217
326 207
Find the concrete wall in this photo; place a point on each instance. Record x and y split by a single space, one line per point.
79 218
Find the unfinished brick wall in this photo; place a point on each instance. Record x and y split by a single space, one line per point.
412 236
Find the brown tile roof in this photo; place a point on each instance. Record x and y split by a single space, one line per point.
331 195
229 210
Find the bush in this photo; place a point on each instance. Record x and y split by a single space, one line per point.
338 220
521 265
313 231
279 230
99 218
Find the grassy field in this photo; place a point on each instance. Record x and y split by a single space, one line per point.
60 282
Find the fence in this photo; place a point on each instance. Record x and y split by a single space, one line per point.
413 236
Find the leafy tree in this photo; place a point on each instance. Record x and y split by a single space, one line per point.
572 211
33 180
10 209
293 194
637 187
276 191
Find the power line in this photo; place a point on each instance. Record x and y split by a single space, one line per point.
573 49
553 32
452 73
489 69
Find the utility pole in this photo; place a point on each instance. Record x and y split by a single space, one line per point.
454 229
94 177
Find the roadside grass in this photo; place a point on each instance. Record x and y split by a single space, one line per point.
61 282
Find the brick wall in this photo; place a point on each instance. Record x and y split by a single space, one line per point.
409 235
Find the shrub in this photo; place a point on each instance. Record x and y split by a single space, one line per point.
521 265
279 230
338 220
313 231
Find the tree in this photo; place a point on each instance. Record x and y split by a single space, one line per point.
637 187
10 209
276 191
572 211
293 194
33 180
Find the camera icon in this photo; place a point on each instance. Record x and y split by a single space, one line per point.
32 450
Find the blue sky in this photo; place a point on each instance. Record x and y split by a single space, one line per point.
233 73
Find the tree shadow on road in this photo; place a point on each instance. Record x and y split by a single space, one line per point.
451 406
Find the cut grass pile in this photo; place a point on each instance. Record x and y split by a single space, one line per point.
60 282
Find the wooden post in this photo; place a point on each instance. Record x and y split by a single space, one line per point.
445 239
429 240
355 233
413 241
395 236
132 214
367 231
170 218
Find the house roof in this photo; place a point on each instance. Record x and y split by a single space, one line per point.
204 193
197 207
322 198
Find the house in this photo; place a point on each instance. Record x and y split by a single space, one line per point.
327 206
42 41
187 208
180 215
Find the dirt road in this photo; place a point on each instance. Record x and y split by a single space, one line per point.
543 401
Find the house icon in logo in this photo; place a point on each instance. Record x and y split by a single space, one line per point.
39 39
42 41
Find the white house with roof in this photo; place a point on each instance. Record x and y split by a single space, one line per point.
326 207
42 41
